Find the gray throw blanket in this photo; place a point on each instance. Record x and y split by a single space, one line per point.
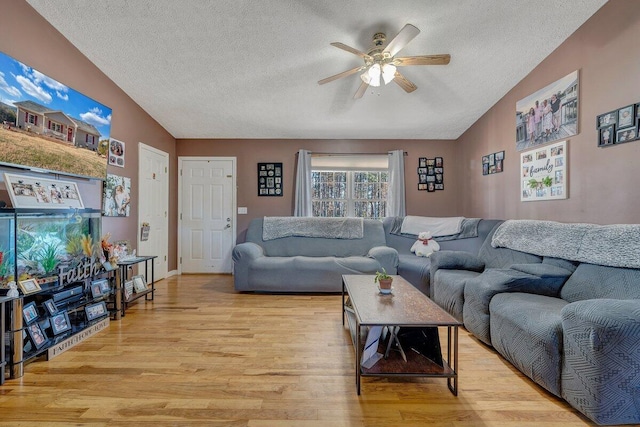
468 229
615 245
277 227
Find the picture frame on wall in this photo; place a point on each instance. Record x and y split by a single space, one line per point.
626 135
270 179
626 117
607 119
606 136
544 173
556 105
38 192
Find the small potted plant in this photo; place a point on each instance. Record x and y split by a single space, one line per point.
384 281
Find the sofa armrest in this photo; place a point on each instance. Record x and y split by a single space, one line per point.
243 255
479 291
386 256
455 260
600 374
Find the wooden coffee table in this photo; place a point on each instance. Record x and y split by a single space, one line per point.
364 306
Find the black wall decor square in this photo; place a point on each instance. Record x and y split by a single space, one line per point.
269 179
430 174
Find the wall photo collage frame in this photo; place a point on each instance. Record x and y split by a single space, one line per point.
493 163
619 126
430 174
270 179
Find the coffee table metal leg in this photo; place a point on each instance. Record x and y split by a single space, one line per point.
452 383
358 357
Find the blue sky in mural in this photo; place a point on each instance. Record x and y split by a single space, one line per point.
19 82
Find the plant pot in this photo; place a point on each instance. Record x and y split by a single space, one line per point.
385 283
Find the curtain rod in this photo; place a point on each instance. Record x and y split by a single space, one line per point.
313 153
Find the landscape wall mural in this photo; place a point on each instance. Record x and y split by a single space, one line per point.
49 126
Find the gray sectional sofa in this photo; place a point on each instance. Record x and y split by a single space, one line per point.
298 263
565 312
415 269
561 302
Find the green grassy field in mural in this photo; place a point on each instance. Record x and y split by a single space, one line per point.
20 148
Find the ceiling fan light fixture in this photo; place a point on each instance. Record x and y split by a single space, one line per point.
388 73
372 75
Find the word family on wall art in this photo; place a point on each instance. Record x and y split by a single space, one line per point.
544 173
430 174
619 126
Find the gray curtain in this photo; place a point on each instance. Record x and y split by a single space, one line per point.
395 199
303 185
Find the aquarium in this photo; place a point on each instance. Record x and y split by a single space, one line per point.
42 245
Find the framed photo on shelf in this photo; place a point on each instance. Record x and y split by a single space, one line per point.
51 307
96 290
38 192
139 284
36 335
100 288
60 323
128 289
29 286
94 311
30 312
626 117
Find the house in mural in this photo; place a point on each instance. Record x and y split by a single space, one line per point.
39 119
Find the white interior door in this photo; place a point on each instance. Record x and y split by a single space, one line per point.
153 207
207 214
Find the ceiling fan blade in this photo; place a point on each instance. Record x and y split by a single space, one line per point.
340 75
422 60
406 34
350 49
361 90
404 83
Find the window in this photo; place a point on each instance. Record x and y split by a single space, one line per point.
342 187
32 119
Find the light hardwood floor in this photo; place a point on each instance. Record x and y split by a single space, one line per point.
202 354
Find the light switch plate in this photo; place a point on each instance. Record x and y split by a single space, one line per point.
242 211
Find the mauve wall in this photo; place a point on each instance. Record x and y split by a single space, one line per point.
251 152
604 183
27 37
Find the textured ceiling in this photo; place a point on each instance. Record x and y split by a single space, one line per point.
249 69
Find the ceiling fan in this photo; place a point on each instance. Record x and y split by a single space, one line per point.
380 62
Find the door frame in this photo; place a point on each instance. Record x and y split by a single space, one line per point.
164 154
234 201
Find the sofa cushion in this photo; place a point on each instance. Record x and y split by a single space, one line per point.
317 246
527 330
415 270
303 274
449 291
591 281
479 291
